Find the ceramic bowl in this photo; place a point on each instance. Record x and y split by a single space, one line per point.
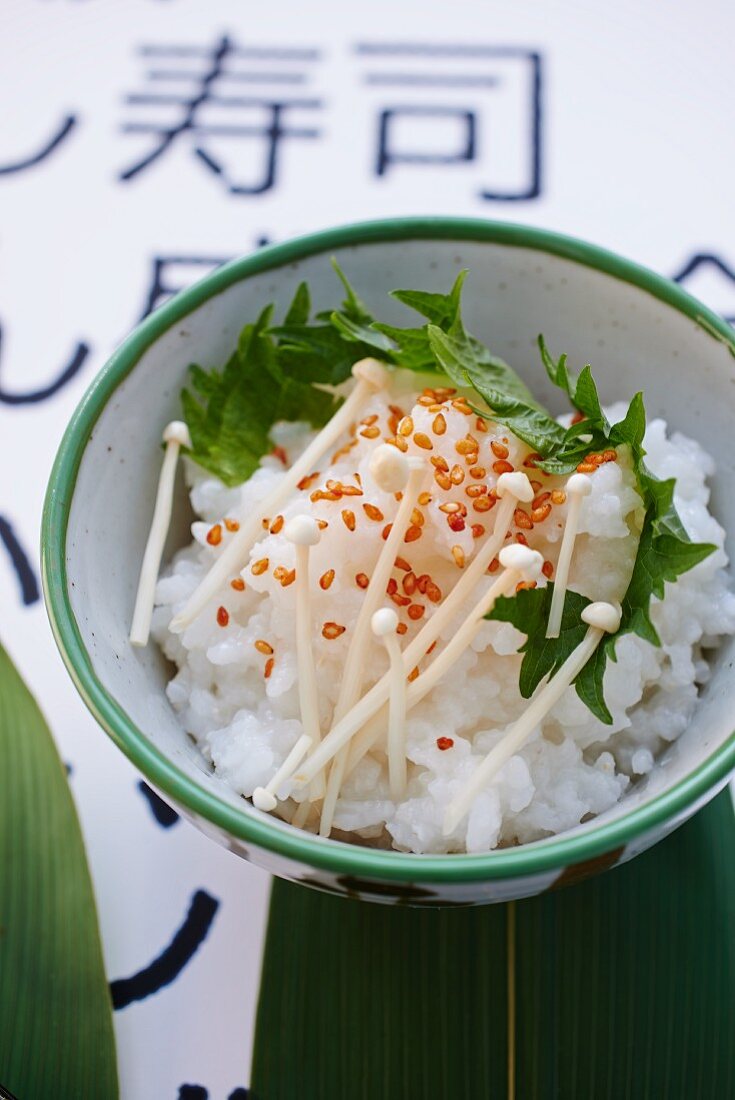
639 330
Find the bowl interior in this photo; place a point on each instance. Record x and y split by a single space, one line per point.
634 340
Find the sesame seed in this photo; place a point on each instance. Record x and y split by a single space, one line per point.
351 491
522 519
259 567
392 586
609 456
370 433
477 530
466 446
493 566
458 555
478 472
238 584
307 481
456 523
558 496
368 421
547 569
406 426
461 406
424 498
442 480
418 518
538 515
525 584
399 600
409 584
263 647
426 400
530 460
401 628
330 631
386 530
214 535
277 525
362 580
399 442
449 507
223 616
483 504
348 518
502 467
456 475
476 490
413 674
268 668
373 513
232 525
322 524
422 440
499 449
540 499
439 425
440 463
413 533
586 468
444 743
325 581
416 611
401 563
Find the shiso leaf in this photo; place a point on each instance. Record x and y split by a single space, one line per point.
56 1034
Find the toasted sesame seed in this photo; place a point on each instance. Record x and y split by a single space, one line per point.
499 449
444 743
525 584
466 446
330 631
521 538
386 531
418 518
442 479
456 523
610 456
413 674
477 530
322 524
558 496
530 460
595 459
424 498
362 580
370 433
432 591
351 491
373 513
308 481
435 408
368 421
522 519
538 515
406 426
277 525
540 499
476 490
259 566
396 410
456 475
401 629
422 440
586 468
325 581
289 578
392 586
502 467
493 566
409 583
413 533
280 572
416 611
461 406
223 616
458 555
348 519
265 523
232 525
238 584
445 392
263 647
268 668
483 504
320 494
439 425
478 472
536 486
214 535
481 424
449 507
401 563
426 400
399 600
440 463
547 569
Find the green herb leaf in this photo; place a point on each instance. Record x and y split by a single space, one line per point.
56 1034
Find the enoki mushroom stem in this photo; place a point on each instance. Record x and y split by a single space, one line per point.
602 618
371 376
577 488
175 436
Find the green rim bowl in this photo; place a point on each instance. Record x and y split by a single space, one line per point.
639 330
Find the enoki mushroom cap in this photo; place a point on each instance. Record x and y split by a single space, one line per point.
384 622
522 559
389 468
302 531
604 616
517 484
372 372
579 485
177 432
264 800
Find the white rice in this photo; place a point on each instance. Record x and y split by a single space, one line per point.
573 766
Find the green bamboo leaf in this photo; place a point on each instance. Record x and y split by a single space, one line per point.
618 986
56 1036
